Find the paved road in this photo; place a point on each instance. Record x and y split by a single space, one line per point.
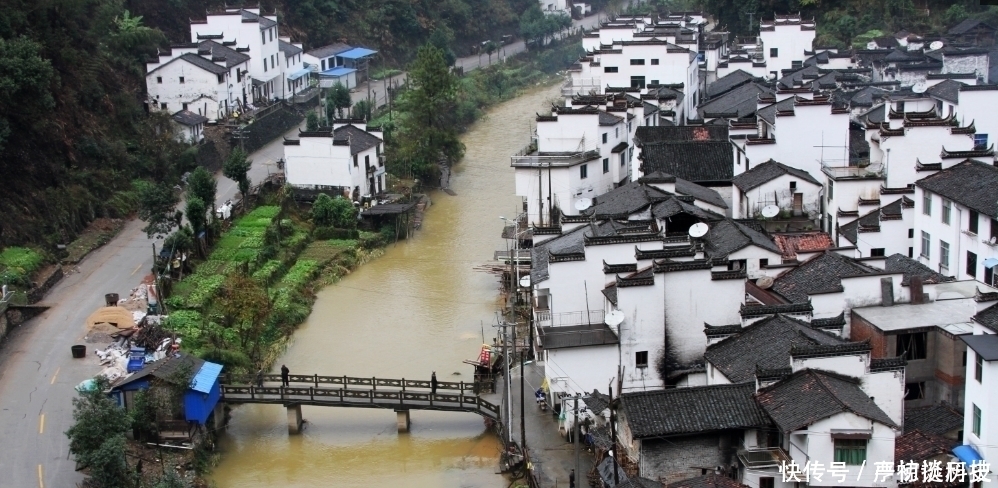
37 372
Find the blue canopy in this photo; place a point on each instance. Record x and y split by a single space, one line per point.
298 74
357 53
967 454
206 377
337 72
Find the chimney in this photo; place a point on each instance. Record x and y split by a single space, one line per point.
917 296
887 292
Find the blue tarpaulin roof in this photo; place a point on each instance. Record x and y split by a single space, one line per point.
206 377
357 53
337 71
298 74
967 454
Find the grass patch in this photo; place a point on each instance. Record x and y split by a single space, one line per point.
19 264
98 233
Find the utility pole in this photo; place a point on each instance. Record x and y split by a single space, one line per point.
575 438
523 420
613 439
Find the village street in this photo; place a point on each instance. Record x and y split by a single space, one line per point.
37 372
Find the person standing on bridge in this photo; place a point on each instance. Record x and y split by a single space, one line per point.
433 383
285 372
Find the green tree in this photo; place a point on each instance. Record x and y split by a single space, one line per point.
361 110
236 167
156 207
429 129
337 99
442 38
336 212
323 211
197 214
245 307
311 121
202 184
491 47
25 82
97 437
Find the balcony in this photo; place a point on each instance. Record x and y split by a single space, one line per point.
544 318
553 159
581 86
763 458
874 171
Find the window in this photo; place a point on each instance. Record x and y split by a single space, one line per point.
271 35
796 64
973 222
641 359
263 37
793 185
323 62
926 241
914 391
355 165
654 82
184 106
604 138
977 421
980 141
264 65
367 161
637 62
763 263
911 233
964 360
221 78
162 106
606 165
911 252
831 190
947 210
944 254
623 159
971 264
927 203
850 451
774 52
994 228
654 62
767 482
911 346
616 132
637 82
609 69
181 79
584 171
878 252
978 367
159 79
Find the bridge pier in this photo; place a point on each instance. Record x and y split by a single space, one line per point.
402 416
294 419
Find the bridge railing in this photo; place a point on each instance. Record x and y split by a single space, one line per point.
346 396
352 381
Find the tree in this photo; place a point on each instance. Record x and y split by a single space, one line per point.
429 129
337 99
156 207
336 212
361 110
322 210
245 307
311 121
25 79
442 37
491 47
97 437
235 169
202 185
197 214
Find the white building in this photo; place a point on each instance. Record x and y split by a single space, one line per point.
339 63
254 34
296 75
980 431
793 191
785 39
345 161
956 221
189 126
208 79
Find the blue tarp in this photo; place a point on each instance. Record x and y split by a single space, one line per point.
205 377
357 53
967 454
337 72
298 74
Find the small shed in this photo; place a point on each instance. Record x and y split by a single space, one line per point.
202 393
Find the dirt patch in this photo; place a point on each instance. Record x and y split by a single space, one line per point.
98 233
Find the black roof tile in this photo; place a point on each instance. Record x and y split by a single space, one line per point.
899 263
769 171
967 25
934 419
674 133
871 219
728 236
289 49
186 117
265 23
988 317
232 57
360 140
739 102
710 480
970 183
692 410
701 162
702 193
948 90
812 395
728 82
329 50
822 273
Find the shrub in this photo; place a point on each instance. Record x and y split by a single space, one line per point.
18 264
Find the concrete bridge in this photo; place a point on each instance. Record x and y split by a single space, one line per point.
400 395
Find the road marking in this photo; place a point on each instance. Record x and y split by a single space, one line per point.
41 424
54 376
41 482
136 269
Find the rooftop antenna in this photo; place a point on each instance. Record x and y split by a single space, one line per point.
770 211
698 230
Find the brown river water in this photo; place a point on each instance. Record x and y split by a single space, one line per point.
415 310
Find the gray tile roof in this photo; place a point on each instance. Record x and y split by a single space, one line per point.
576 336
769 171
988 317
870 219
899 263
676 133
673 206
328 50
289 49
571 242
933 419
200 62
360 140
702 193
728 82
970 183
692 410
265 23
967 25
709 480
625 200
948 90
919 446
232 57
877 114
822 273
985 345
812 395
768 113
701 162
164 369
188 118
728 236
608 119
739 102
766 345
800 77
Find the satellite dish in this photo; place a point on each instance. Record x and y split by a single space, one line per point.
698 229
770 211
871 45
525 281
919 87
936 45
614 318
765 282
583 203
